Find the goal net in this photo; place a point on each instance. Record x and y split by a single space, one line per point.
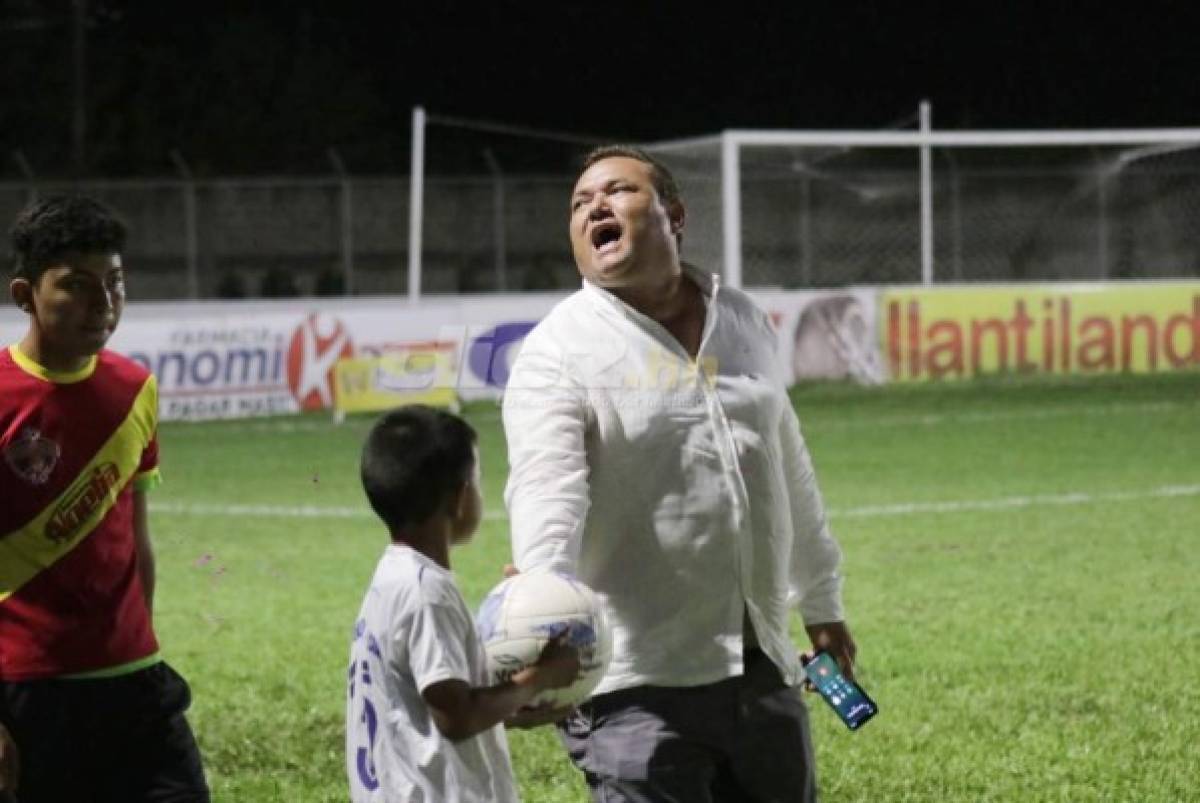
831 214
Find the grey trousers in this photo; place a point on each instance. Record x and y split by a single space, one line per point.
741 740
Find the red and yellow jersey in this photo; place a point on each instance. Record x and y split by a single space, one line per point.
73 448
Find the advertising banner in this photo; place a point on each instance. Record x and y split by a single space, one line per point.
243 359
1103 328
421 374
252 358
826 334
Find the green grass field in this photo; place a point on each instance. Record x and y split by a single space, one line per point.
1023 579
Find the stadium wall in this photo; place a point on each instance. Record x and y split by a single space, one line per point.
242 359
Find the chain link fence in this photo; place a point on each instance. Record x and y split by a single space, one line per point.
811 217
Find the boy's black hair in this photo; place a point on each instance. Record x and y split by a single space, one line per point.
49 228
414 461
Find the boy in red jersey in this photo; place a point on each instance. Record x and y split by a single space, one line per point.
88 709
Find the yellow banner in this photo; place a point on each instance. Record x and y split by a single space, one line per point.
964 332
421 374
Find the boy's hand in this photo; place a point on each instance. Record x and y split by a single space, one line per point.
536 716
558 665
10 762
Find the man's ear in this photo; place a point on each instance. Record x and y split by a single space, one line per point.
20 290
677 214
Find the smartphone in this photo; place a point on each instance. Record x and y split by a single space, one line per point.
845 697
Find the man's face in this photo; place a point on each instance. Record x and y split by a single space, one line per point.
75 305
621 232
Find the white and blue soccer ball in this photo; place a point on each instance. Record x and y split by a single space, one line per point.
524 612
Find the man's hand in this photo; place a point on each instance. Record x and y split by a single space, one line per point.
10 762
835 639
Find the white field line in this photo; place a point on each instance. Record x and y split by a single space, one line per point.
1119 408
262 511
1012 502
869 511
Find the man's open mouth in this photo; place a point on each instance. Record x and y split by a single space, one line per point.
605 234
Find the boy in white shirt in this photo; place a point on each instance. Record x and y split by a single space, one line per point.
421 722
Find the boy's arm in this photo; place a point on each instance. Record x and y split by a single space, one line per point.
145 552
461 711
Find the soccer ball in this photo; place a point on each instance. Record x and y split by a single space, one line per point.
525 611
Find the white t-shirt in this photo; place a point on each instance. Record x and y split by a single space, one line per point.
414 630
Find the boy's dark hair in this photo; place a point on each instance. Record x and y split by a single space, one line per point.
413 462
664 182
49 228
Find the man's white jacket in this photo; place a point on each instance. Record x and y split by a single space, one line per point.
679 489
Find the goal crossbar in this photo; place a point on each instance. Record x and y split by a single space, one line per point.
964 139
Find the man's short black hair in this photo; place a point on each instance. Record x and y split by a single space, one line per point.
660 175
415 459
48 229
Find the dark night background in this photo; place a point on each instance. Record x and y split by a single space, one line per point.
255 88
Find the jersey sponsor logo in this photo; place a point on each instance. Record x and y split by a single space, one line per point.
32 456
83 499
